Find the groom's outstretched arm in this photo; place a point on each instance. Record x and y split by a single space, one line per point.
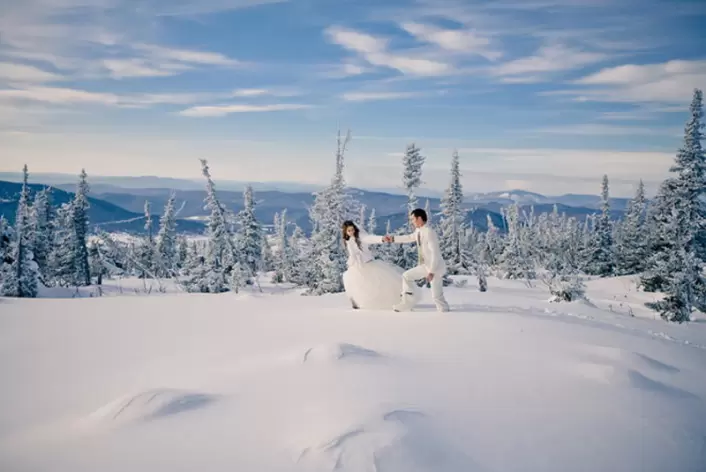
403 238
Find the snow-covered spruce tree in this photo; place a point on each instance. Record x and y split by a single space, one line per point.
332 206
96 262
249 238
600 256
284 253
213 276
6 233
361 217
41 221
297 271
79 217
267 262
182 251
371 227
387 252
677 223
513 261
167 243
412 164
492 244
147 250
60 263
632 248
452 222
21 277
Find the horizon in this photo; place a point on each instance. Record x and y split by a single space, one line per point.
280 186
544 96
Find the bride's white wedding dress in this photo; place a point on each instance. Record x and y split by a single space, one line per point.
370 283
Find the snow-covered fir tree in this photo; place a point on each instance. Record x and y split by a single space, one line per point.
361 217
283 254
42 223
60 264
98 266
79 217
167 243
372 225
452 222
427 209
21 276
677 223
249 237
267 261
492 244
412 164
182 251
632 248
600 256
214 274
297 272
514 260
147 258
332 206
6 233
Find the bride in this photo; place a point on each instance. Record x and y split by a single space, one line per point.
369 283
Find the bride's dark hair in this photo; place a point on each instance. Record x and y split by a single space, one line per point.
348 224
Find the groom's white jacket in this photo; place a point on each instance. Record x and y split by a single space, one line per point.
428 243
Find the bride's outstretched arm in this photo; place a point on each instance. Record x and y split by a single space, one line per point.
370 238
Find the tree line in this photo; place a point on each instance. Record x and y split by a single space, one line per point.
662 241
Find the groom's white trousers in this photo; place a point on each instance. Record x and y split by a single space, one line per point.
437 288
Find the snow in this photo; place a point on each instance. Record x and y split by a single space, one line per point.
276 381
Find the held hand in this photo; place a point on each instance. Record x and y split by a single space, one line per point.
430 277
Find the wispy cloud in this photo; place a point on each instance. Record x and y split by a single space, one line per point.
453 40
548 60
375 96
669 82
597 129
123 68
222 110
23 73
57 95
186 56
375 51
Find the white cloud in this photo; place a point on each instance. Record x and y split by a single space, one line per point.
222 110
122 68
56 95
596 129
250 92
460 40
669 83
22 73
373 96
550 58
186 56
375 51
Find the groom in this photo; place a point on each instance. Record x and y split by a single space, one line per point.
430 265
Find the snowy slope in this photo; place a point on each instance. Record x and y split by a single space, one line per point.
281 382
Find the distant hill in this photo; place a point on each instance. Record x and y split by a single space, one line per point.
106 215
119 209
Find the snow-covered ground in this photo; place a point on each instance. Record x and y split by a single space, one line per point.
280 382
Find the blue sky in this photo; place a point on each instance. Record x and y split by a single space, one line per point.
540 95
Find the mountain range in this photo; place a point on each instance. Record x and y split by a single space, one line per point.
121 208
